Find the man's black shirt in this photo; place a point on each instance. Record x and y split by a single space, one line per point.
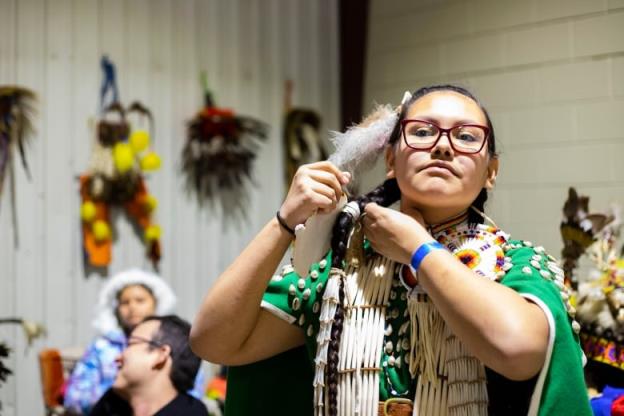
112 405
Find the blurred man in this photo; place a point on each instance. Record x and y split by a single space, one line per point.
155 370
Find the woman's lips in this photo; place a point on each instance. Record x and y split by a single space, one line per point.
441 168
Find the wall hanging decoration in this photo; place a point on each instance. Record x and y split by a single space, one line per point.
599 295
598 300
121 154
217 158
17 109
32 330
302 138
579 230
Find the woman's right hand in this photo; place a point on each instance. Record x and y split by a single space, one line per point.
316 187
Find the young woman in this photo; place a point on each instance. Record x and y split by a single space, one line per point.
437 311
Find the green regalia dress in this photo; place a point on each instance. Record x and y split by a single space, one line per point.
395 343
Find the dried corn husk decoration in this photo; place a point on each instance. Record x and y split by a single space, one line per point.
114 178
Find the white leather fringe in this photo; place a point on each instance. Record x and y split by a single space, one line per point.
450 381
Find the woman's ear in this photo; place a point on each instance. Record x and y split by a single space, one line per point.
390 162
492 171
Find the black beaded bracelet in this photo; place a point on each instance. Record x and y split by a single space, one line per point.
283 223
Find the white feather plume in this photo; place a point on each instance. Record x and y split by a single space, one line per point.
358 148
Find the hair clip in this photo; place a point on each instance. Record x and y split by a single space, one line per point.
406 97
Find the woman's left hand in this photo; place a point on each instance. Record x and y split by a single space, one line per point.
393 233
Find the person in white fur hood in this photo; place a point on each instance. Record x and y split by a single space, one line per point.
124 301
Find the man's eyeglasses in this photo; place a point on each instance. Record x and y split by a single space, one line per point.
424 135
134 340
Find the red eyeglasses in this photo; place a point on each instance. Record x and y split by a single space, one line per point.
424 135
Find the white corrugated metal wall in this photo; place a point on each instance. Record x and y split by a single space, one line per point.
248 47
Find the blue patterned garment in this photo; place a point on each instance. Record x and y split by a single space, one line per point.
96 371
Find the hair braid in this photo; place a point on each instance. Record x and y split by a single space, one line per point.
332 355
385 195
479 203
340 237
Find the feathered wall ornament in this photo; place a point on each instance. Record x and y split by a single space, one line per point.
217 158
579 230
17 109
599 296
302 136
114 178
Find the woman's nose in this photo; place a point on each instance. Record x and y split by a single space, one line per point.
443 145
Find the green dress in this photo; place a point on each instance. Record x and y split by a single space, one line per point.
273 386
559 389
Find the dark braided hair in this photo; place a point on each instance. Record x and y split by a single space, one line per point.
385 195
479 202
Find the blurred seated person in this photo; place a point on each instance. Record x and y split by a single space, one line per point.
124 301
156 370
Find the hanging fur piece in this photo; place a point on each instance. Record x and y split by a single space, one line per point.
302 138
578 231
17 109
217 159
114 178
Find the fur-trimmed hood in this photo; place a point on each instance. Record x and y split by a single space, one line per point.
105 319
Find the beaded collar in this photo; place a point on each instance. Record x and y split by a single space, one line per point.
478 246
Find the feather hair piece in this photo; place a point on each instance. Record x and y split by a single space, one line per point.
358 148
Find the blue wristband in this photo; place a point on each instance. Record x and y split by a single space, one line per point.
420 254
